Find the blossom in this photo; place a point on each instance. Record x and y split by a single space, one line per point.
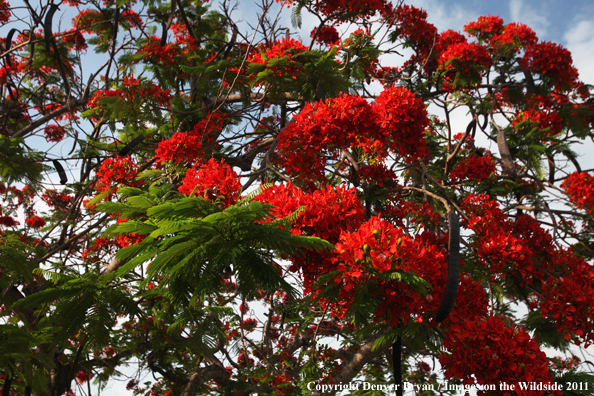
360 8
320 132
118 170
160 54
475 168
213 180
489 351
464 63
553 62
485 28
417 32
54 133
189 146
35 221
327 35
544 118
5 13
579 186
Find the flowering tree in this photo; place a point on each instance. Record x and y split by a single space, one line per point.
247 213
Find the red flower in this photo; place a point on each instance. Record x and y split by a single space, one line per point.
212 181
579 186
417 32
188 146
475 168
403 120
361 8
320 132
5 13
465 64
553 62
327 35
160 54
35 221
54 133
485 28
488 351
120 171
516 35
8 221
543 118
283 50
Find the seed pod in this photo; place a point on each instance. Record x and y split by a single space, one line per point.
453 269
61 172
49 35
8 45
471 127
131 144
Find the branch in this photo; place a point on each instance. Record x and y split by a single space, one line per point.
71 105
363 356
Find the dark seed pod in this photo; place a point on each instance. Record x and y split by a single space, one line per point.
471 127
164 35
8 45
131 144
453 269
49 35
61 172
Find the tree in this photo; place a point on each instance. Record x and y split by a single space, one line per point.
243 213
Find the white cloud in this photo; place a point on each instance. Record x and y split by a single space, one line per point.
446 15
580 41
532 17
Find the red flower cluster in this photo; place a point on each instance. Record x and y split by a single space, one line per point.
579 186
35 221
358 44
212 181
118 170
5 13
543 118
89 21
552 61
446 39
329 212
160 54
327 35
8 221
134 90
56 200
189 146
284 49
489 352
397 121
465 64
126 240
475 168
568 299
357 8
180 147
378 174
54 133
485 28
417 32
402 119
503 246
376 249
515 35
74 39
490 30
